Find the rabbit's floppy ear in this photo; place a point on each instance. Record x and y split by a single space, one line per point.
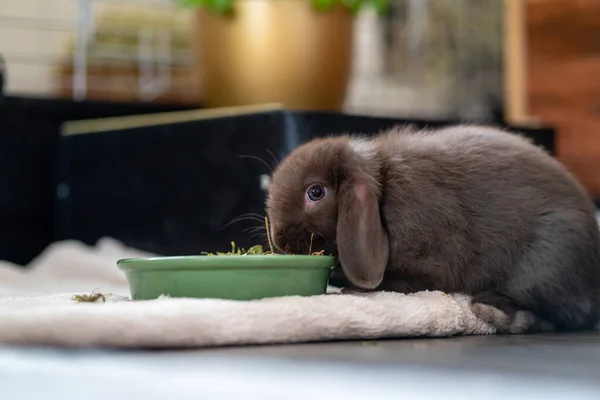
362 241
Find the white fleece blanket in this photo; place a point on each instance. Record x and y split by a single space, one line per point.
37 308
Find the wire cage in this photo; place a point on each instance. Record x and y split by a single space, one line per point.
425 58
104 49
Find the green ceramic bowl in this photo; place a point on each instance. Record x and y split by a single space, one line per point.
234 277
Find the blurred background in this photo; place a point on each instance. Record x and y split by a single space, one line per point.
158 122
426 58
530 64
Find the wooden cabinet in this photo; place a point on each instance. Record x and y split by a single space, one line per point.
559 55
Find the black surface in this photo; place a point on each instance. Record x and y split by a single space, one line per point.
165 189
308 125
169 189
29 132
69 110
2 78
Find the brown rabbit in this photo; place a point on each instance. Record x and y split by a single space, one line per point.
466 209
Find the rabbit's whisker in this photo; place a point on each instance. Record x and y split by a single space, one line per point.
277 161
270 167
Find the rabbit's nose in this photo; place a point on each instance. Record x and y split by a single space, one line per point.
292 248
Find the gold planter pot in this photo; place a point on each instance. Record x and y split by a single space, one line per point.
281 51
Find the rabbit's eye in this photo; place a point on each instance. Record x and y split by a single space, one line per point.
315 192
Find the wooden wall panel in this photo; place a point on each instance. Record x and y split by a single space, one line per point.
563 76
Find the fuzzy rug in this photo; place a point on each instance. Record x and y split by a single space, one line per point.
37 307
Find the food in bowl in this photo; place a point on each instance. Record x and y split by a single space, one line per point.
236 275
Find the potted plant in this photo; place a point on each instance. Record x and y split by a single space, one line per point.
294 52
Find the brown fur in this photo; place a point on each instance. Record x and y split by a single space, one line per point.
462 209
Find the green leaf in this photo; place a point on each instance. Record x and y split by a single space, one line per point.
192 3
221 6
381 6
324 5
225 6
353 5
218 6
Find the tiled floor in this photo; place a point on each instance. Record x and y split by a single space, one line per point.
492 367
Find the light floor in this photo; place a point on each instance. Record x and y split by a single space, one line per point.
491 367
